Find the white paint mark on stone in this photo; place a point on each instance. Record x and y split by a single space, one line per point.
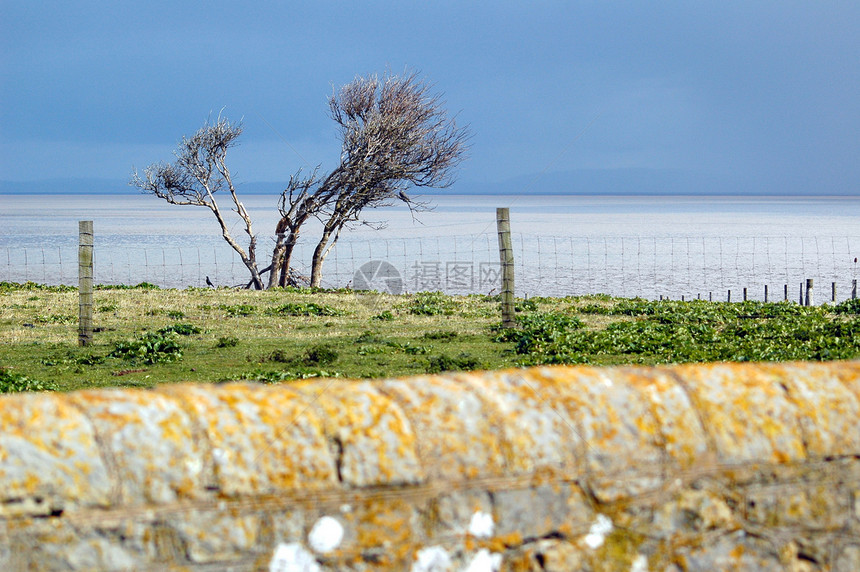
484 561
432 559
598 531
220 455
194 466
481 525
326 535
654 394
293 558
640 564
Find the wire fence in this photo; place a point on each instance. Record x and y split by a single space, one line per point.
626 266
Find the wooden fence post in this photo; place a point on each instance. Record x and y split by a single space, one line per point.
85 282
833 292
506 257
854 289
809 301
765 293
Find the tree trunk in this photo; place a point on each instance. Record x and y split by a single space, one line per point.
317 262
282 256
277 262
287 232
249 260
256 279
320 253
324 246
289 248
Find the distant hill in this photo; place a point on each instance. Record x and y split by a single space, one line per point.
611 182
104 187
575 182
65 186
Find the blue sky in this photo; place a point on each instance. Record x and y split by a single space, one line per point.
760 96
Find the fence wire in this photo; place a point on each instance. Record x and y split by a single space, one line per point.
626 266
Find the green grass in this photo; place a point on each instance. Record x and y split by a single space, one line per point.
146 335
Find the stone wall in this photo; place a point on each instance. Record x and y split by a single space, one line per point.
706 467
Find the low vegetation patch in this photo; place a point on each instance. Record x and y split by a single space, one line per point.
303 309
385 315
150 348
262 376
461 362
681 332
15 382
31 286
442 335
239 310
431 304
227 342
148 335
138 286
179 329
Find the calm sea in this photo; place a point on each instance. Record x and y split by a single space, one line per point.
648 246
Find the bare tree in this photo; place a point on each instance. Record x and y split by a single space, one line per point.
303 199
198 173
395 136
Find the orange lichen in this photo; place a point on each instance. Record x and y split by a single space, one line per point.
684 458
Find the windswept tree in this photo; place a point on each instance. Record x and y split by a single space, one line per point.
395 136
197 175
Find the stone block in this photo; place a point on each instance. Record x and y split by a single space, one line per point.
619 434
735 552
372 442
540 511
547 555
382 530
450 514
678 424
262 439
746 414
691 512
149 441
847 558
537 434
456 437
849 374
822 506
49 457
827 409
288 525
210 536
59 545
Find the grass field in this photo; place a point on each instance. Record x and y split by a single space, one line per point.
147 335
